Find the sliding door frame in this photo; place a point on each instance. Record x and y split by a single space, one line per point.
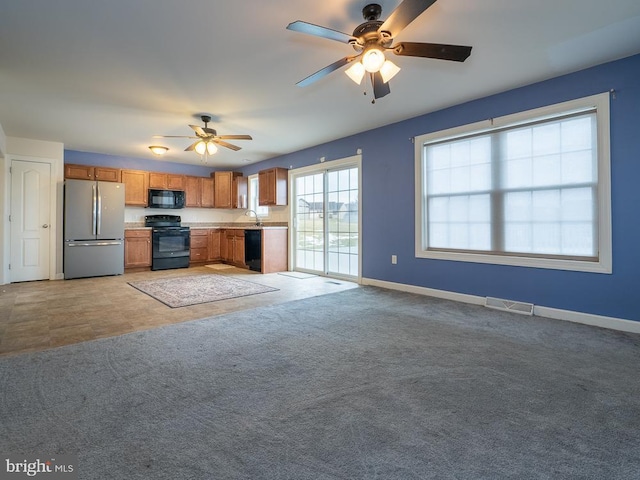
323 167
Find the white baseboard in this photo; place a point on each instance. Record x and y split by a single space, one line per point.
547 312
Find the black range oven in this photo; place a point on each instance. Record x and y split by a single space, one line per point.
170 242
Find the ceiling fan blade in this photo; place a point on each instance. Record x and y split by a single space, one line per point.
457 53
403 15
198 129
318 31
191 147
228 145
235 137
325 71
380 89
172 136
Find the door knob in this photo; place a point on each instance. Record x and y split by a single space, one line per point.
45 226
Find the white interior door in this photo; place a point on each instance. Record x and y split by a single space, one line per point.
326 220
30 220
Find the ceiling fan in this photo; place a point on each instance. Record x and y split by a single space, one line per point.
372 38
207 138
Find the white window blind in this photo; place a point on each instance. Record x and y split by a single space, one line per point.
526 189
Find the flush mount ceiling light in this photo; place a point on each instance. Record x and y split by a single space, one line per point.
207 139
372 39
158 149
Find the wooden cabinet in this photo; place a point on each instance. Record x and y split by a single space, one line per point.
272 187
228 245
238 248
199 245
199 192
274 254
207 192
230 190
192 192
136 184
214 244
86 172
137 248
239 192
232 247
166 181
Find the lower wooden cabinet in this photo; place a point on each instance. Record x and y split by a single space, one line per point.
232 247
199 245
214 244
205 244
228 245
137 248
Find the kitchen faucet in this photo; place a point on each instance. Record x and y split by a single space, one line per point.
258 221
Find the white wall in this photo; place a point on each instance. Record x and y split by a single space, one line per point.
3 201
37 150
3 142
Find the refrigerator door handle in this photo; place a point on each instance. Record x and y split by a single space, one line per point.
93 244
94 213
99 209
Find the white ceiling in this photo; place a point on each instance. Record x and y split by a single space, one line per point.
105 76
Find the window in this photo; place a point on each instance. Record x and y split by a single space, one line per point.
530 189
262 212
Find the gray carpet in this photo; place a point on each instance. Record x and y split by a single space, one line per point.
361 384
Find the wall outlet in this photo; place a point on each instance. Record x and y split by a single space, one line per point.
394 259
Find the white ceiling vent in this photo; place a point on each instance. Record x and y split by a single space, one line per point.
509 305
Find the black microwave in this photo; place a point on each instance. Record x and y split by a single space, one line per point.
166 198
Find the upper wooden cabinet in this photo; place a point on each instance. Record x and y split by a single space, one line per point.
166 181
230 190
136 184
86 172
272 187
192 192
199 192
207 192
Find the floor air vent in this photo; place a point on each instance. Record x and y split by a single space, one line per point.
509 305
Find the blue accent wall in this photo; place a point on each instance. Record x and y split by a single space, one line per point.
114 161
388 198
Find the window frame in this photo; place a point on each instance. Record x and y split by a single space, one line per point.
262 212
603 264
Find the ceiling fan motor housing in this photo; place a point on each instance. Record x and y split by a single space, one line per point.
368 33
371 12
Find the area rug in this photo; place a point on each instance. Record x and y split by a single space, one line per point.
195 289
219 266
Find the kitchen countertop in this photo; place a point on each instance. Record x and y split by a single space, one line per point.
225 226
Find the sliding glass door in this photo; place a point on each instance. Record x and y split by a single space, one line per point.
326 220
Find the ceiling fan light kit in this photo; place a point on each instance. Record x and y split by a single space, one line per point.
372 38
207 139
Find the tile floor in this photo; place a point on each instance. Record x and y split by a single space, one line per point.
46 314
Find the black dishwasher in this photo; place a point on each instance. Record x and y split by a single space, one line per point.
253 249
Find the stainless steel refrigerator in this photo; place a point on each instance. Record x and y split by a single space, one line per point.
93 228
